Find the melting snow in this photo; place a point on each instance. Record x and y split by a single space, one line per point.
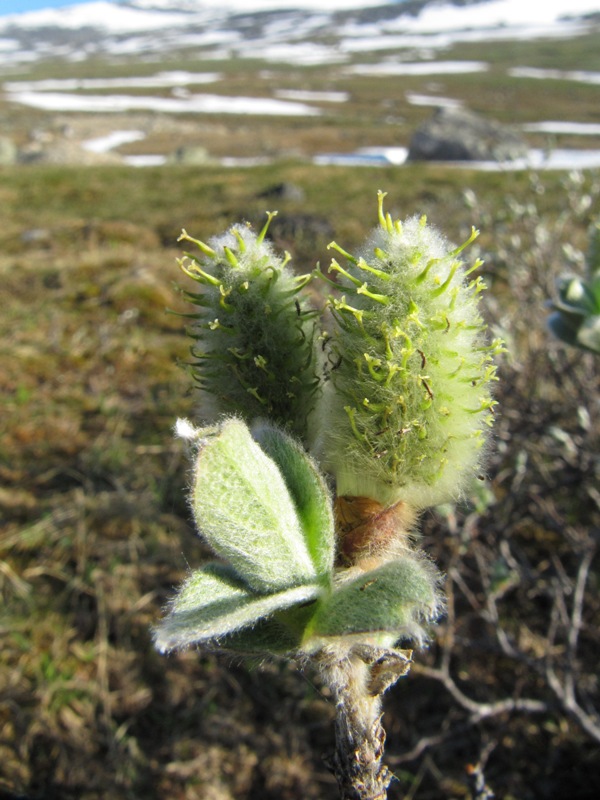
145 160
307 54
194 104
175 78
303 95
555 74
418 68
512 14
560 159
444 24
562 127
416 99
102 144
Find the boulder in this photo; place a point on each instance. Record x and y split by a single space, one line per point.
8 151
284 191
191 155
455 134
64 151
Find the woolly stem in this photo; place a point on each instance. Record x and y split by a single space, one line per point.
357 680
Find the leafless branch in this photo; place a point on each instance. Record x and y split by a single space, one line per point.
479 711
565 690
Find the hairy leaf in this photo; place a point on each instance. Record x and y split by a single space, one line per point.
394 598
214 602
244 510
308 491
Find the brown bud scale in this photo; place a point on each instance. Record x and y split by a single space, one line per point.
366 528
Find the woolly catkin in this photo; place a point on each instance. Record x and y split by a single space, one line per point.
254 352
408 404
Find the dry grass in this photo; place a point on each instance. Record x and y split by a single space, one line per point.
95 529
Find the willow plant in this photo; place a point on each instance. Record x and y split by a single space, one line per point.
323 433
576 311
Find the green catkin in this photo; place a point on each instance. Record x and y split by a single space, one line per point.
408 403
254 335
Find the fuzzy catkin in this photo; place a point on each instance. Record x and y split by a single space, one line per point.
408 404
254 352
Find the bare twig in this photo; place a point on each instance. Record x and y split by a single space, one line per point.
480 711
481 791
475 772
424 743
565 691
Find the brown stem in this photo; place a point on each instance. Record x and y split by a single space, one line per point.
358 679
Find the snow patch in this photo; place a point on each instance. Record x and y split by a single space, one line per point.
559 159
581 76
416 99
418 68
563 127
161 79
303 95
194 104
102 144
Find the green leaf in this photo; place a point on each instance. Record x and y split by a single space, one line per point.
394 598
244 510
279 634
593 254
588 335
564 327
308 491
214 602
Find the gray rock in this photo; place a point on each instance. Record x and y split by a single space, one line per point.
284 191
192 155
8 151
63 151
455 134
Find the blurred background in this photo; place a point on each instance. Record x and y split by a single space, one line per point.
122 123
